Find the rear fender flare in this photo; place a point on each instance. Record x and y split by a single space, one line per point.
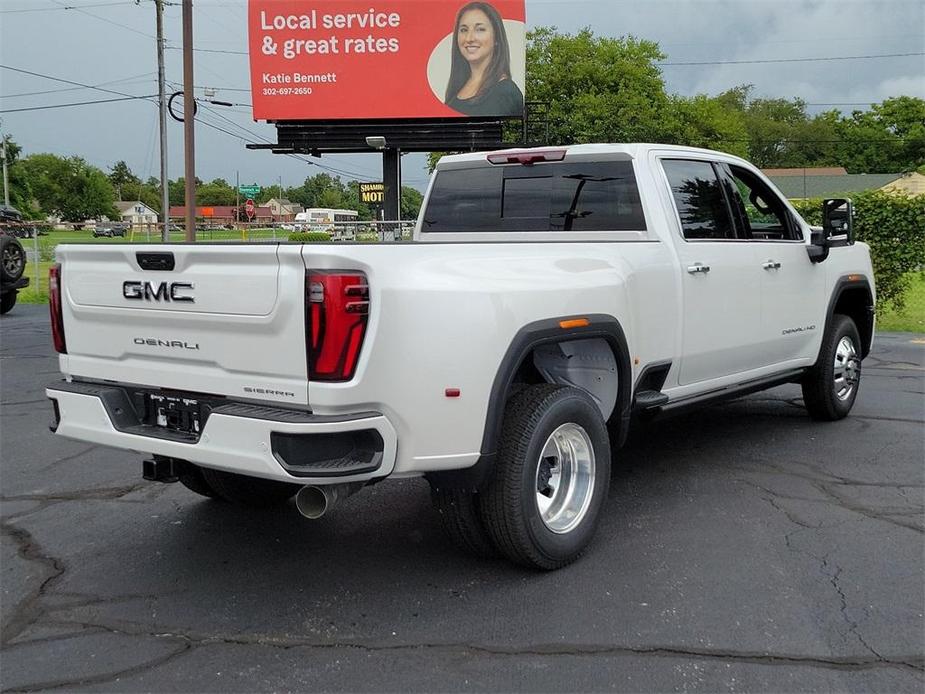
547 331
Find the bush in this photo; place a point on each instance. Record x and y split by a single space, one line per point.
310 237
893 225
367 237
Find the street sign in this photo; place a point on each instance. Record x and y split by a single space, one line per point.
249 191
250 209
372 193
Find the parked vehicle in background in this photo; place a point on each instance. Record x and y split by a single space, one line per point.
12 269
110 229
12 222
323 218
550 294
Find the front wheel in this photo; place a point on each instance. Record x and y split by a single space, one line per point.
544 500
831 386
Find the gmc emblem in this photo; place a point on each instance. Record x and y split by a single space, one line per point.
157 291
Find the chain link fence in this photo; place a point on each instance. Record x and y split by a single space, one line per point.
39 239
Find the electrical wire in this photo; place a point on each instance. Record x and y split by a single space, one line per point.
124 80
67 7
76 103
791 60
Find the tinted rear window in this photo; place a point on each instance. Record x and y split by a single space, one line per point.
600 196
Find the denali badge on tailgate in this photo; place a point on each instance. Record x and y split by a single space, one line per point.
160 291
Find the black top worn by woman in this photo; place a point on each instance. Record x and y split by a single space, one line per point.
503 99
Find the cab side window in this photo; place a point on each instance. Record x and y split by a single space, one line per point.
699 199
762 215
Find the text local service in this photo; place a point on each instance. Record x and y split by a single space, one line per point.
359 20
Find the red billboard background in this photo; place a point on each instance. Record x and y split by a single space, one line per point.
342 59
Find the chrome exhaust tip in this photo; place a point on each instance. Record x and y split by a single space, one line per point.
314 502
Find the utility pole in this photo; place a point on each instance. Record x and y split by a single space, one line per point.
6 180
162 106
189 121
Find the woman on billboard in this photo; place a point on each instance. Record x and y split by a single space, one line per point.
480 72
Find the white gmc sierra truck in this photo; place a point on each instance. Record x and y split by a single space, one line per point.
548 295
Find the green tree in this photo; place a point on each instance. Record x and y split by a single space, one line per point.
599 89
70 188
216 192
704 121
411 201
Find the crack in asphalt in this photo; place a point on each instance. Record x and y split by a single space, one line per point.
893 516
93 494
852 624
23 402
69 458
190 641
901 420
29 609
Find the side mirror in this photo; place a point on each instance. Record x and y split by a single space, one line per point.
838 222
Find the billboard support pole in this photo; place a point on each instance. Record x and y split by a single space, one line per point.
391 176
189 121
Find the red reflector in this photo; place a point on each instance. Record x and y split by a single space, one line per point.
452 392
527 157
337 305
55 308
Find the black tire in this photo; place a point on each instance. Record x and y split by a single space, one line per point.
248 491
12 259
831 386
461 518
7 302
193 479
509 504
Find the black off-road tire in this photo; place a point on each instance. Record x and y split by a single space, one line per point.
820 384
12 259
248 491
461 518
509 506
7 301
192 478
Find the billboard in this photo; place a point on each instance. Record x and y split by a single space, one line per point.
343 59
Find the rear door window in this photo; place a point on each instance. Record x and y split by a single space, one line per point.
699 200
568 196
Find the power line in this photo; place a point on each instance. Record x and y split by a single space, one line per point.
209 50
59 79
124 80
77 103
67 7
103 19
792 60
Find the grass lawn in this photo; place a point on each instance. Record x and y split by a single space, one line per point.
912 318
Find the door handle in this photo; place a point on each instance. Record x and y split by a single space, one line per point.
771 265
698 269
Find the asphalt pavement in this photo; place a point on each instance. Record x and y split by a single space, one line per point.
743 548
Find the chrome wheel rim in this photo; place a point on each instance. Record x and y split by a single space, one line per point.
565 478
847 371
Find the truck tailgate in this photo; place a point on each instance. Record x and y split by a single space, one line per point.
225 320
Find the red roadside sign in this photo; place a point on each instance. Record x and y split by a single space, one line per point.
250 209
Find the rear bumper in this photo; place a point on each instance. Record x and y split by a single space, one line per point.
267 442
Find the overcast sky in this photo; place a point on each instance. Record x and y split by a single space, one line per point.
116 46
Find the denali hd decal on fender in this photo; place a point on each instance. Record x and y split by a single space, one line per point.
152 342
161 291
790 331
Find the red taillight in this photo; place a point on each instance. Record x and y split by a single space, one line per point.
337 305
54 308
